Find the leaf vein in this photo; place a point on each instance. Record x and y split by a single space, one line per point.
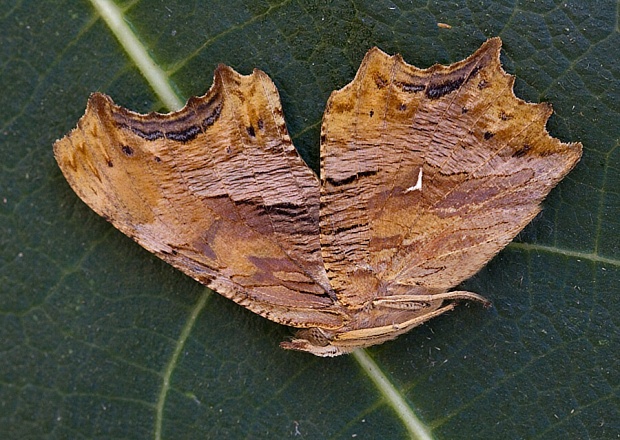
187 329
393 397
155 76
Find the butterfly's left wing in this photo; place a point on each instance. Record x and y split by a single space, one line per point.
215 189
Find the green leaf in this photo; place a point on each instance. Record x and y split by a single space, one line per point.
100 339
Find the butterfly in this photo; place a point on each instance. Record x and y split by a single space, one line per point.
425 174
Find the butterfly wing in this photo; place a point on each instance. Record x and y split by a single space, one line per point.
425 175
215 189
442 166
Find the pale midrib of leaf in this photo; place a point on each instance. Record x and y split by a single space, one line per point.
136 51
161 85
414 425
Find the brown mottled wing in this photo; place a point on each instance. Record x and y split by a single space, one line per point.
426 174
215 189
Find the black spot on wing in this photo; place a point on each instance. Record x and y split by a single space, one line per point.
127 150
522 151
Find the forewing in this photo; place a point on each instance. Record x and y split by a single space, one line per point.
426 174
215 189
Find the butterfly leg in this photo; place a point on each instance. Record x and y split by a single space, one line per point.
421 301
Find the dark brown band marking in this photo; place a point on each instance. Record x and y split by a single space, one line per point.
184 135
170 129
210 120
436 91
287 209
345 229
350 179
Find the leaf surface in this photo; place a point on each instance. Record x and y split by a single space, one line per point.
100 339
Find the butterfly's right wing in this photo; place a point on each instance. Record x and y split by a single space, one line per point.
426 174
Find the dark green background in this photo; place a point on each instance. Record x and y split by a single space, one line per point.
89 321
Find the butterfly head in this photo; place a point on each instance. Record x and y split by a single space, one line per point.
329 343
316 341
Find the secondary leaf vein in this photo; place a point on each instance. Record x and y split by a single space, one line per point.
187 329
588 256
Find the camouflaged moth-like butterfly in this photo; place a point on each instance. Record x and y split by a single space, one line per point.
425 175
